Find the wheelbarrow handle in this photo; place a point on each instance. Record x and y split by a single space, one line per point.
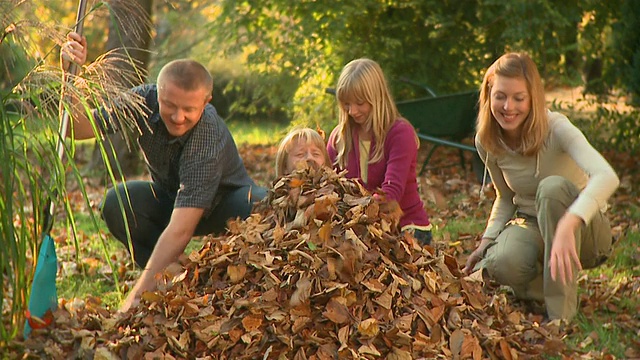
423 86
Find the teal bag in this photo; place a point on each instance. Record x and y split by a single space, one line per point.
43 299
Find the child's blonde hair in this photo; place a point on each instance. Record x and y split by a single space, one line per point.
304 134
362 80
535 127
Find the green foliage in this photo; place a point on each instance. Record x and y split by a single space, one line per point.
15 230
627 44
443 44
254 133
606 123
273 58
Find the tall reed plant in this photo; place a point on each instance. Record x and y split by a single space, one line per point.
30 169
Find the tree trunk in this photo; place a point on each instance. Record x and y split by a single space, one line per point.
129 39
593 77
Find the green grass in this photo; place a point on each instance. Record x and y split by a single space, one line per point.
83 285
257 132
456 228
84 269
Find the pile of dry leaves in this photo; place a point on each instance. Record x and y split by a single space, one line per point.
319 271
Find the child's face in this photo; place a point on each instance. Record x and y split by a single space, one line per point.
358 110
302 151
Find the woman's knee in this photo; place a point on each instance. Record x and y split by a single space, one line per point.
512 268
513 260
555 187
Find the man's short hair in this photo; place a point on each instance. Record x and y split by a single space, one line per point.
187 74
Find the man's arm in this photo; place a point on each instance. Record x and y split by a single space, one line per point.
170 246
75 50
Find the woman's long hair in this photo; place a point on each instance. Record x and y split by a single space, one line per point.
535 127
362 80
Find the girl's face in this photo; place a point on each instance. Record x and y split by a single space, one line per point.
359 111
302 151
510 104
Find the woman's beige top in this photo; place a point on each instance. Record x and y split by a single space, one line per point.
566 153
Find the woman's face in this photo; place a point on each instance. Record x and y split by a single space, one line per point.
510 104
302 151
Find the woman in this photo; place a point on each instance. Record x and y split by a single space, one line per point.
547 221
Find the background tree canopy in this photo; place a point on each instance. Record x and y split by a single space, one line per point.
272 59
299 48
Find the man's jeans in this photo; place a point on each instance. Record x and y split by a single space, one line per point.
150 207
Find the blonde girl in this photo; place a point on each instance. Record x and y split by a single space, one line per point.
299 146
376 145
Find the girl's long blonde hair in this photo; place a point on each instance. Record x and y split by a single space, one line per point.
362 80
536 125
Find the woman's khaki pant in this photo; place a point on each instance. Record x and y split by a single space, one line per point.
519 258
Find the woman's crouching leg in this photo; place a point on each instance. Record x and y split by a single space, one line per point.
516 260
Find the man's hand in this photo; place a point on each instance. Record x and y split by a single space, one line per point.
564 255
73 50
170 246
132 300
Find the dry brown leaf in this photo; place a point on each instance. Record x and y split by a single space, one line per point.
336 311
236 273
316 257
302 293
369 328
251 322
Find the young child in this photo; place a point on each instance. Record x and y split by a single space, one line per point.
376 145
299 146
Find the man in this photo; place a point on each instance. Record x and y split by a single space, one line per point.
198 179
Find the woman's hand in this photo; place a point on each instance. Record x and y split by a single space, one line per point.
472 260
73 50
564 255
476 256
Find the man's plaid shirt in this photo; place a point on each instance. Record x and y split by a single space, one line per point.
199 167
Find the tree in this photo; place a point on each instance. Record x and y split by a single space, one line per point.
302 46
627 43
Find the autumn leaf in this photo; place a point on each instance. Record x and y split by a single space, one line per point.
369 328
236 273
251 322
336 312
302 292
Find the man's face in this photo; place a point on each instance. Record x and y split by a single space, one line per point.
180 109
